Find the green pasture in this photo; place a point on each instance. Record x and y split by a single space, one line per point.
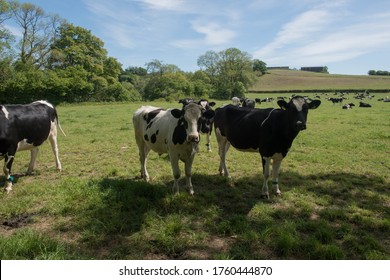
335 201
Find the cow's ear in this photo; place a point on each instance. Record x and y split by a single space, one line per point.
176 113
314 104
283 104
212 104
209 114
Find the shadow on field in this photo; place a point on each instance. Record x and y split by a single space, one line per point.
145 220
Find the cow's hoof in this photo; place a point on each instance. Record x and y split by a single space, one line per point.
265 195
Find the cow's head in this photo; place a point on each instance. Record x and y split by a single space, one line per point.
297 110
191 117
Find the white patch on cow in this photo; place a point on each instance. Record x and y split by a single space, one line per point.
192 115
24 145
5 111
203 104
44 102
298 103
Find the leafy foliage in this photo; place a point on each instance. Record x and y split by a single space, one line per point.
230 72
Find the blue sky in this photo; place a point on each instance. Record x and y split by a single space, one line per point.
348 36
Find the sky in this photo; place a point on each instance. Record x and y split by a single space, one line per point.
347 36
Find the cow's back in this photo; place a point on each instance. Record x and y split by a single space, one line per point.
241 126
31 122
154 126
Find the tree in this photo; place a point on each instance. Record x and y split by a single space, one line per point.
38 32
155 67
76 46
259 66
6 38
209 63
159 67
230 72
168 86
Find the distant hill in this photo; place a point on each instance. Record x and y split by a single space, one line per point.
295 80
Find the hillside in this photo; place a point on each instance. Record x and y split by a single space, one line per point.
290 80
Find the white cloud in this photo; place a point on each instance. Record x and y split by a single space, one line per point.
172 5
213 34
326 34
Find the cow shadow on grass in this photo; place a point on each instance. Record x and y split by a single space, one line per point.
146 220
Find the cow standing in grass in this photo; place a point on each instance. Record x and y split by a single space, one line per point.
269 132
172 131
26 127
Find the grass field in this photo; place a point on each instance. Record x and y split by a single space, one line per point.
335 203
278 80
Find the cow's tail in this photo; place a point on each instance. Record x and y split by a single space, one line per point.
58 124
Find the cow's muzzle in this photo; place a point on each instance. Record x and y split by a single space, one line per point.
300 125
193 138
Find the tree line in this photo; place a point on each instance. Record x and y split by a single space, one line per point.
55 60
378 73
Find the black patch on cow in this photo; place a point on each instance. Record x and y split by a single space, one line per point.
179 134
146 137
149 125
151 115
153 138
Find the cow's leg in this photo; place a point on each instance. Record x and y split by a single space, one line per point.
223 147
277 161
31 166
176 172
266 173
208 143
188 167
54 144
143 157
8 160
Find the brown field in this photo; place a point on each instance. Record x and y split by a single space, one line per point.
280 80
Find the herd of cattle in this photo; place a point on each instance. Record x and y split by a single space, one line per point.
176 132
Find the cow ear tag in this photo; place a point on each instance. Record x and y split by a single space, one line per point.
176 113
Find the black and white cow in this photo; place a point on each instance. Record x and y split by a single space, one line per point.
364 105
249 103
206 124
171 131
269 132
348 106
26 127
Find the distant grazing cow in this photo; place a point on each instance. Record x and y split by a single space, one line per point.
249 103
348 106
171 131
236 101
26 127
267 131
366 105
336 100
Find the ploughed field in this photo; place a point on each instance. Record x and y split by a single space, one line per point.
335 201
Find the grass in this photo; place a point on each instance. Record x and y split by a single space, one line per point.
281 80
335 203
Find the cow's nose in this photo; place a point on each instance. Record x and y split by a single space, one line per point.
300 125
193 138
